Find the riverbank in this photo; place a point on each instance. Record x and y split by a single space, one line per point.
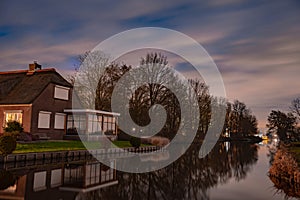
285 170
252 139
67 155
62 145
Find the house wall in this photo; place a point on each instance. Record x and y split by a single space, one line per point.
26 110
50 192
47 102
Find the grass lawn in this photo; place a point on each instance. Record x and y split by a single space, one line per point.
62 146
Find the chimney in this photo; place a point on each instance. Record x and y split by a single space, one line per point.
35 66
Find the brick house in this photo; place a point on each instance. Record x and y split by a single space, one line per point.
41 100
36 98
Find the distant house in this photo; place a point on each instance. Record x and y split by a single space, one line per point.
41 100
36 98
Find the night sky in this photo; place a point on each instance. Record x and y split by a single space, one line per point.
255 44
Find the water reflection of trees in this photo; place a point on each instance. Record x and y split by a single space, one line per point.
285 172
188 178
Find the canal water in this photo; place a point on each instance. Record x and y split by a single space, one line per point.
230 171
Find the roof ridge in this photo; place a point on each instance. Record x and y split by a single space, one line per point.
26 71
14 72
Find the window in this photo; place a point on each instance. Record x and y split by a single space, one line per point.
109 124
39 181
76 124
74 175
94 123
59 122
93 171
13 115
61 92
44 119
56 177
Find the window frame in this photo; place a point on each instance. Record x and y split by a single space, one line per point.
49 121
42 181
64 124
12 112
60 97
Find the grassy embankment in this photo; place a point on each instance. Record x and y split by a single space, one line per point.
62 146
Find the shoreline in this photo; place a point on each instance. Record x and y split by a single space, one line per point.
75 154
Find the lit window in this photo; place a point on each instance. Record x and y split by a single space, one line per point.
13 115
44 119
61 92
59 122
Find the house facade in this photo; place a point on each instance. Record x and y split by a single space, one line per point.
36 98
41 100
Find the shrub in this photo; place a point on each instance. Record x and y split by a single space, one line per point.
7 179
159 141
72 131
13 126
24 136
135 142
109 132
123 136
35 137
7 144
15 134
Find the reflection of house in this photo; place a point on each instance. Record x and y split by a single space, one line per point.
41 99
63 181
88 177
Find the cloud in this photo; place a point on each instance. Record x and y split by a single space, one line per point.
255 45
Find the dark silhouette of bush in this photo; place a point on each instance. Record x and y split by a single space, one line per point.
24 136
135 142
13 126
7 179
72 131
8 144
109 132
122 136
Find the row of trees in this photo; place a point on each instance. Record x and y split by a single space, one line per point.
285 124
239 120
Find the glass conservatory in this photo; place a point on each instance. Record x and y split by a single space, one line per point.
91 122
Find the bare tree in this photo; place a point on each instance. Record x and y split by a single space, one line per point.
154 91
295 107
106 84
88 73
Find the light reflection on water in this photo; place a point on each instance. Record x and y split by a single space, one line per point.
230 171
256 185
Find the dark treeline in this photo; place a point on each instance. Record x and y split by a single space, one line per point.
239 120
285 125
